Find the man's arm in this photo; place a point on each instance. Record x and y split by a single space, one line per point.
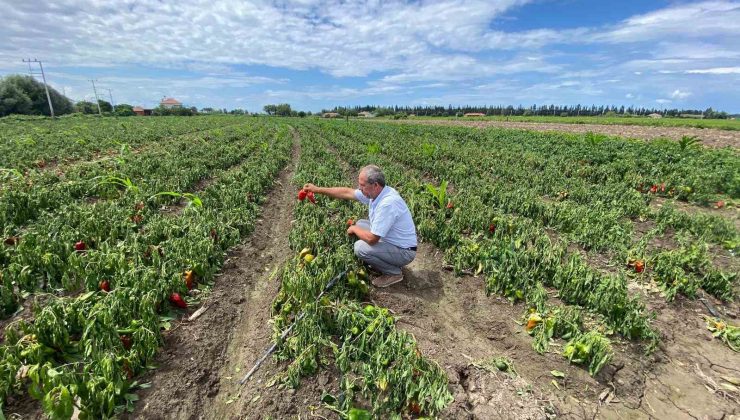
342 193
363 234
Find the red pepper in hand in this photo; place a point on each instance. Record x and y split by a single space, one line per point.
311 197
302 195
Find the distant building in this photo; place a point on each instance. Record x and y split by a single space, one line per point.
330 115
365 114
655 115
169 103
142 111
474 114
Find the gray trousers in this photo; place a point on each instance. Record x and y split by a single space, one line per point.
384 257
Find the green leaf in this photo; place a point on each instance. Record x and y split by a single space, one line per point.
358 414
557 374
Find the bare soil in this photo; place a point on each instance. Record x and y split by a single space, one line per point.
456 324
710 137
195 377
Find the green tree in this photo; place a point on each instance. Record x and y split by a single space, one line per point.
13 100
86 107
25 95
124 110
105 106
283 110
181 111
270 109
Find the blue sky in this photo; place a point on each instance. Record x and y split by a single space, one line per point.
318 54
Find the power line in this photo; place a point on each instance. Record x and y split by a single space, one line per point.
43 76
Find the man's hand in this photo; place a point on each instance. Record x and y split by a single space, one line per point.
342 193
351 230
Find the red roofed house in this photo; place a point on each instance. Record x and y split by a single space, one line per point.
141 111
169 103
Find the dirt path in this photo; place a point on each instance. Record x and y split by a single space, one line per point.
456 325
194 377
710 137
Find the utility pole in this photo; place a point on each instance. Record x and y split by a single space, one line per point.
97 101
43 77
110 95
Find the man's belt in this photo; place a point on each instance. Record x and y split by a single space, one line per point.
413 248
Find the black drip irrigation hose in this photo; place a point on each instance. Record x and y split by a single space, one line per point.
285 333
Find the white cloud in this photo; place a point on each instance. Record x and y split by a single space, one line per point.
679 94
697 20
397 46
716 70
663 101
629 96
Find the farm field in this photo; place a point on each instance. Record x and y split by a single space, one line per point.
560 275
727 124
626 128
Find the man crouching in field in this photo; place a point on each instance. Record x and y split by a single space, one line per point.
387 241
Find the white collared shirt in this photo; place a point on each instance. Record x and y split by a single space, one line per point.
390 218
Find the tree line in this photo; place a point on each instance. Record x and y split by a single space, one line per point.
22 94
551 110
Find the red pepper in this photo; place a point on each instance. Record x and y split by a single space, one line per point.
350 222
639 266
302 195
654 189
126 341
450 205
80 246
414 407
311 197
662 187
104 285
492 228
719 204
178 301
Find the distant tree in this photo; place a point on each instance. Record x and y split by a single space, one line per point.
283 110
181 111
301 114
13 100
86 107
124 110
21 94
105 106
270 109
